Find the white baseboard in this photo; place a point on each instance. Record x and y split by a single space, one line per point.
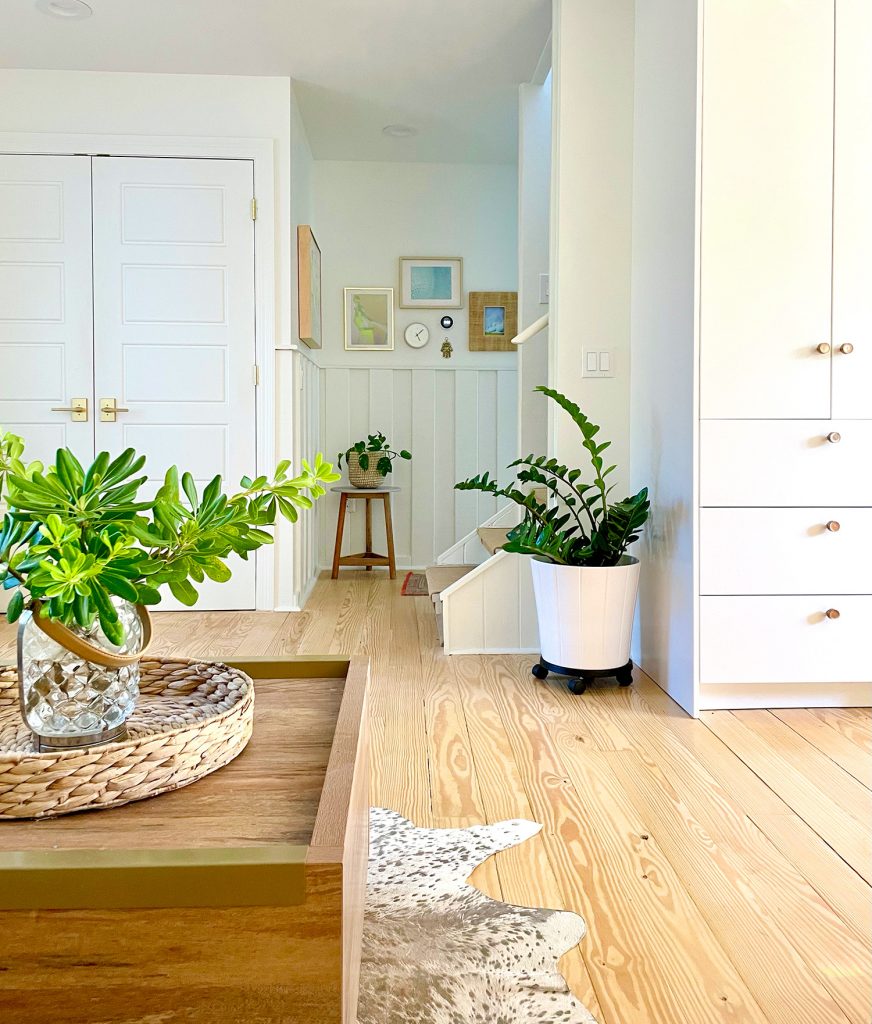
722 697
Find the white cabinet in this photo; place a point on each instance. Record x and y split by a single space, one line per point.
762 115
852 207
785 550
770 640
766 208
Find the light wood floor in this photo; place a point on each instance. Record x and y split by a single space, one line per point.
723 865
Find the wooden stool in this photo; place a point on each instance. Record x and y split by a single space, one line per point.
368 557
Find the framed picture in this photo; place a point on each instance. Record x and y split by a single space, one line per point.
369 319
493 321
308 287
431 283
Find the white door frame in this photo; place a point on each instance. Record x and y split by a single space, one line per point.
261 153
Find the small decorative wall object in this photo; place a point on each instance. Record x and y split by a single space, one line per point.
308 287
431 283
369 319
417 335
493 321
447 349
447 322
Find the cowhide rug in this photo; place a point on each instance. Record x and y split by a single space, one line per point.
438 951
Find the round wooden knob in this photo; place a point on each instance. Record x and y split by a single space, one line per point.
833 613
846 349
833 526
834 437
824 348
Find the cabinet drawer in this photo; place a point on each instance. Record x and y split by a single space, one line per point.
785 639
785 462
785 551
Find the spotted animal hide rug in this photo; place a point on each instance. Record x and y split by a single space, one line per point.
438 951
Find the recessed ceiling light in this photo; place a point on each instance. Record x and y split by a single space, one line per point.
399 131
65 8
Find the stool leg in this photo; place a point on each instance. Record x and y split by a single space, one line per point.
340 529
389 530
369 529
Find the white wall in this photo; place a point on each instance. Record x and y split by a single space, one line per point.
534 212
592 178
456 416
663 333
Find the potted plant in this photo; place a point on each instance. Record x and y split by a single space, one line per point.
83 555
369 461
584 581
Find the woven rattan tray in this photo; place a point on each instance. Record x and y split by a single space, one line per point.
191 719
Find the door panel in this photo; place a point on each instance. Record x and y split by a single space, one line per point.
46 328
766 208
852 234
174 322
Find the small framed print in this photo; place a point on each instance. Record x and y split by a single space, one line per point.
431 283
369 319
493 321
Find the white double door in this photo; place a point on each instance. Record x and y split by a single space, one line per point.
131 281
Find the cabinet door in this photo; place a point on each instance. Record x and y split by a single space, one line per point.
766 208
852 233
174 340
45 302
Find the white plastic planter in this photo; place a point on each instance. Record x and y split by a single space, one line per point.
586 613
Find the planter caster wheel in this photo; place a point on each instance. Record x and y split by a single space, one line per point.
624 675
577 686
539 671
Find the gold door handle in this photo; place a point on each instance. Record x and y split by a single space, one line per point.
824 348
834 526
846 349
108 409
832 613
834 437
78 409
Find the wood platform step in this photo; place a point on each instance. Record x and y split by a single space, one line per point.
439 578
493 537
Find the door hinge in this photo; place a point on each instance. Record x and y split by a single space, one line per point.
256 374
254 209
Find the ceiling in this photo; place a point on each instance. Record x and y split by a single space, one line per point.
449 68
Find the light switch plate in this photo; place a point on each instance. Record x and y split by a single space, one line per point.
597 363
544 290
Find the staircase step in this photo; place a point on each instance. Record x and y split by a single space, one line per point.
493 537
440 577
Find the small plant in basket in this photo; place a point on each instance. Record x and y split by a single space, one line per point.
370 461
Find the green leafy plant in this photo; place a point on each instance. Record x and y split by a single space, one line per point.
374 447
578 524
74 538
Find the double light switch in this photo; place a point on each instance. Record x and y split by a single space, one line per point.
597 363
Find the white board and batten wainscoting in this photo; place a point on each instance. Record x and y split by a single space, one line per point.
767 223
131 281
456 423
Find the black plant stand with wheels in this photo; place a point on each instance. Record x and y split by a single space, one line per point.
580 677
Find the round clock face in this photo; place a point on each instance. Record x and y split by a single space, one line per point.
447 321
417 335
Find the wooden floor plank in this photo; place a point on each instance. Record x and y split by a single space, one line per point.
834 744
844 833
855 724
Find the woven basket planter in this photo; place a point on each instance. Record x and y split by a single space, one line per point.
192 718
364 478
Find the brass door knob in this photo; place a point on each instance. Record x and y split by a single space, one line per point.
846 349
824 348
833 613
833 526
834 437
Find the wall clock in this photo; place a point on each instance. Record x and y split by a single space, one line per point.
447 322
417 335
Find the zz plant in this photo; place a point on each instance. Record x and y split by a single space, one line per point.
579 525
73 538
374 447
